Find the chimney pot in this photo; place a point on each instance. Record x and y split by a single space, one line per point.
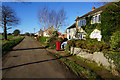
77 16
93 8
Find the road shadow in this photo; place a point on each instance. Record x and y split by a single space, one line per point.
27 49
34 62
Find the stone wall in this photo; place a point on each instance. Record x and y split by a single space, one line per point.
98 57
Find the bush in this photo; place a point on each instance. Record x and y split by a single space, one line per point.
110 19
55 34
90 44
115 41
43 39
52 42
7 45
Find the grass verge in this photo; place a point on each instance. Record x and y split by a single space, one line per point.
9 44
80 71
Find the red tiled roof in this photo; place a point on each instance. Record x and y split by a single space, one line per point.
59 33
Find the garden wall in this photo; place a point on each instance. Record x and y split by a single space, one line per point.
98 57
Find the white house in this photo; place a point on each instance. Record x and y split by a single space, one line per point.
39 33
71 31
81 21
49 32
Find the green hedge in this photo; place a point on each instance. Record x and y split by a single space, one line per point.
8 44
52 42
43 39
91 44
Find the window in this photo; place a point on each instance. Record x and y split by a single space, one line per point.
92 20
69 37
98 18
85 22
80 23
69 30
95 19
81 36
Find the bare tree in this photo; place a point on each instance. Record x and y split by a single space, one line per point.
60 19
9 18
43 17
52 18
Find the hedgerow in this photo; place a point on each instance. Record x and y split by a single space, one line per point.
90 44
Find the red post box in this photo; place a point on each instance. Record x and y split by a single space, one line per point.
58 45
37 38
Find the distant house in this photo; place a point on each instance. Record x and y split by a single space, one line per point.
63 36
49 32
71 31
59 34
40 33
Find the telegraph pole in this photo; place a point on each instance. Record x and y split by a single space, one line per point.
34 31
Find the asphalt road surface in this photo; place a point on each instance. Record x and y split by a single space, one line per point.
30 60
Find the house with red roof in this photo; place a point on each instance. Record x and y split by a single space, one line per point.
76 30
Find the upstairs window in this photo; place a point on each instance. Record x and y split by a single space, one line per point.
78 23
95 19
98 18
81 22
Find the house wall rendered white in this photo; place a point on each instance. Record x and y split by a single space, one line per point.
71 34
96 34
45 34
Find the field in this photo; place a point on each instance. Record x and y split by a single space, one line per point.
8 36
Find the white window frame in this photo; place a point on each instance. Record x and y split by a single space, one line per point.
99 20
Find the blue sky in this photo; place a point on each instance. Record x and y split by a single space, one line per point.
28 13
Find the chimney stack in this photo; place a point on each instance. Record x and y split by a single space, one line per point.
93 8
77 17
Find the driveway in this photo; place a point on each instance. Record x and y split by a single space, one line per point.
30 60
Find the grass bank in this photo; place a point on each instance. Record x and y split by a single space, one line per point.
83 68
9 44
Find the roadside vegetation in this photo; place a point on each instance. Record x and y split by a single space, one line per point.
80 70
8 37
7 45
50 42
110 44
110 30
83 68
92 45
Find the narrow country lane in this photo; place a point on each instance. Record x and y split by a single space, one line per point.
30 60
